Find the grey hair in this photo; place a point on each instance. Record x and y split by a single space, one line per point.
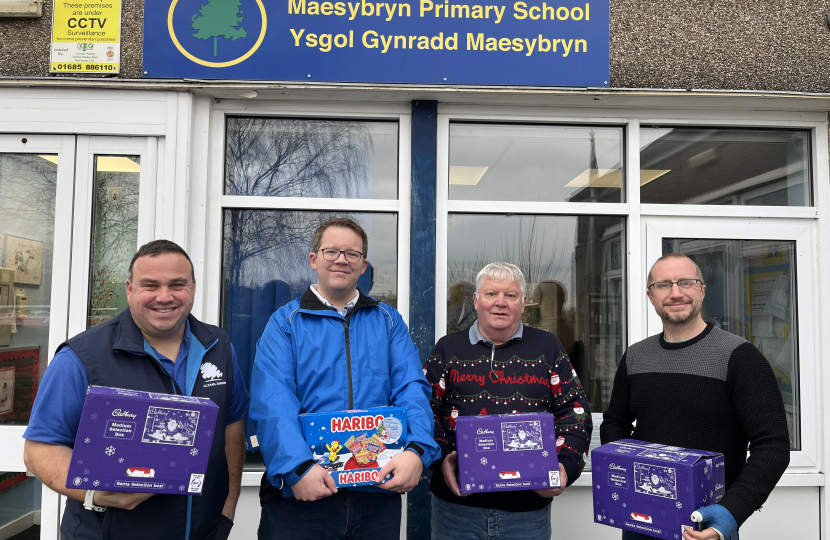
501 271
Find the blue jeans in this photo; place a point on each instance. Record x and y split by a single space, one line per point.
373 517
452 521
628 535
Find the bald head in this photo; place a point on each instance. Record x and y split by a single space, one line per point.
674 256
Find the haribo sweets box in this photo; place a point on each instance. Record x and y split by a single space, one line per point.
353 446
653 489
143 442
506 452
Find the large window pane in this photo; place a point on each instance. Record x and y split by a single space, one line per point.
114 228
725 166
293 157
750 292
27 226
574 269
496 162
265 266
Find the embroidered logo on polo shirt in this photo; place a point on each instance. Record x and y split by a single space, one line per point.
210 373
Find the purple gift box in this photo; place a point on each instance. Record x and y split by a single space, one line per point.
653 489
506 452
142 442
353 446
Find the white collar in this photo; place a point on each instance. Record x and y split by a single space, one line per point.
349 305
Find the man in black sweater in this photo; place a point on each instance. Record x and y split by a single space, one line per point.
698 386
500 366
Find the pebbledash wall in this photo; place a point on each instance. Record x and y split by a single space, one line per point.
720 66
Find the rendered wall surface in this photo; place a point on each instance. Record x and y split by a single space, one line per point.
781 45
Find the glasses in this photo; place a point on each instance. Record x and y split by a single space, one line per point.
664 286
331 254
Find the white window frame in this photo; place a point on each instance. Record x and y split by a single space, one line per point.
217 201
806 465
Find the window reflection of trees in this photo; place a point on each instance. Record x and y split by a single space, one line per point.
27 196
261 246
287 157
114 229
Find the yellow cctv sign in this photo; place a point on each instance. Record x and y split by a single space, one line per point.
86 36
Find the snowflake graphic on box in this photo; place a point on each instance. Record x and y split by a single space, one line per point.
545 453
615 496
484 461
110 450
172 463
94 416
120 460
525 435
170 426
96 483
678 504
86 440
194 451
181 488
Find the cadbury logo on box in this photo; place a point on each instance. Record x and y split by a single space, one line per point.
119 412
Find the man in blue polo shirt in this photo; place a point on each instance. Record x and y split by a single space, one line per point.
147 347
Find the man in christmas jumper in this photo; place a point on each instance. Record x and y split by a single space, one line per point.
697 386
500 366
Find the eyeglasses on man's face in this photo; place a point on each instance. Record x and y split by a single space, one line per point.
665 286
331 254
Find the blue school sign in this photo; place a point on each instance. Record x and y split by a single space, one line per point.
525 42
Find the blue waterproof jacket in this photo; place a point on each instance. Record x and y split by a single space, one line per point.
312 359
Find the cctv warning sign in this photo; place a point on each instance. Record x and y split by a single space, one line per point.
86 36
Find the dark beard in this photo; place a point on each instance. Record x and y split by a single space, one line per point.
680 319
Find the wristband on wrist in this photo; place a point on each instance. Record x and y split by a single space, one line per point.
89 504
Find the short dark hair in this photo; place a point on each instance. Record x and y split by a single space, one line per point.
160 247
339 222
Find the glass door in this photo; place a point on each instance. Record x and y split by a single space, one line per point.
73 210
759 286
36 180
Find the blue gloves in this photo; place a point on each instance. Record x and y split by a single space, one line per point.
716 517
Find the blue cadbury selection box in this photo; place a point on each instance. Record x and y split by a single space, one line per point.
653 489
142 442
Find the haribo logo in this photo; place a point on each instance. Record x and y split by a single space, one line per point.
355 423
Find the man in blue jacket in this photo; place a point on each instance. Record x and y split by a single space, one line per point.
335 349
156 346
